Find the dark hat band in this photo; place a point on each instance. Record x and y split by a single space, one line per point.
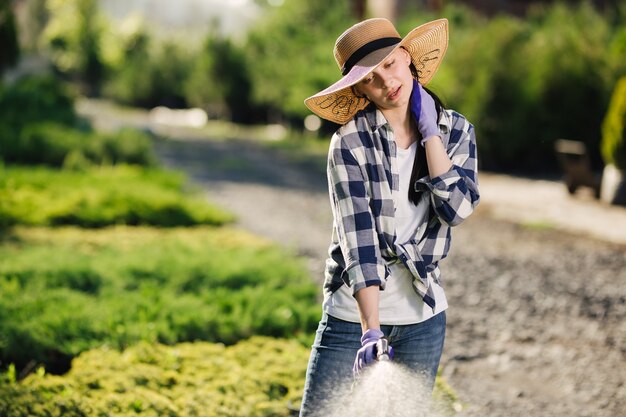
367 49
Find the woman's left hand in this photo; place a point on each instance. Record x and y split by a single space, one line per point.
424 111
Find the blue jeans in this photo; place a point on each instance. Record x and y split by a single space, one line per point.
417 346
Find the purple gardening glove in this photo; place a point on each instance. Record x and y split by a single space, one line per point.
368 352
424 111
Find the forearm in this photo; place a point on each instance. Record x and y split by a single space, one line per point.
436 157
367 301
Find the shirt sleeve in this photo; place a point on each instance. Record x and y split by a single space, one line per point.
454 194
354 219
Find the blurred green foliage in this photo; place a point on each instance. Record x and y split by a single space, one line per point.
9 52
100 197
38 125
526 83
66 290
257 377
73 39
145 72
614 128
254 378
220 81
290 53
523 83
36 99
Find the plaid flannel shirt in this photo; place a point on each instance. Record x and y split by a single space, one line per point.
362 174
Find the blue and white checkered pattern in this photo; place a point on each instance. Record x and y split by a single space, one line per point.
362 173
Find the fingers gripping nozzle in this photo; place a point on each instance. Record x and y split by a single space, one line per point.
384 352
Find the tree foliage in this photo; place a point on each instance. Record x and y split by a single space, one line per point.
526 83
9 49
290 56
73 39
220 81
614 128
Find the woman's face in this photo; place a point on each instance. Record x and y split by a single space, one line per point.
390 84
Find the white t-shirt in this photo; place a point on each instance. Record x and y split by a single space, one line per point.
399 303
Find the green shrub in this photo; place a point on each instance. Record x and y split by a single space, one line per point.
35 99
100 197
256 377
38 126
126 146
259 377
57 145
66 290
614 128
46 143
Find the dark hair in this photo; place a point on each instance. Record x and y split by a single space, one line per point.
420 165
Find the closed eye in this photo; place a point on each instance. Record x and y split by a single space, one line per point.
390 63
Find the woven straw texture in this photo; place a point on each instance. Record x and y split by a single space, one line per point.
427 45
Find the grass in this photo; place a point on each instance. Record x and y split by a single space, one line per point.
539 225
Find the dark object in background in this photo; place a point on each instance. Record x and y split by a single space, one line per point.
576 166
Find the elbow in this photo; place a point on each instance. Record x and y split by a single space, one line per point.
454 215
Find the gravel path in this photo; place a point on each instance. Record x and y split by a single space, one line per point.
537 323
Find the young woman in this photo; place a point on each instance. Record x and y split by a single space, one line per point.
401 172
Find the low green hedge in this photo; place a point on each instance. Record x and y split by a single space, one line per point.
258 377
100 197
57 145
38 125
66 290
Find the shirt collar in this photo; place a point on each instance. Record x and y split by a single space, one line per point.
445 122
374 117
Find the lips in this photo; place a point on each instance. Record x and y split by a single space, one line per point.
394 94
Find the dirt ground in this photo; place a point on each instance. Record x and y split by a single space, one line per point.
536 285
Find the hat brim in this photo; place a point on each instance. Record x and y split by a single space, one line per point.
427 45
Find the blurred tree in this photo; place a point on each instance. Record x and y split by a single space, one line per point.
9 49
144 71
289 55
219 81
358 9
32 22
72 38
524 83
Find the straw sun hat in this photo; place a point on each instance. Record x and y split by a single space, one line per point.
363 47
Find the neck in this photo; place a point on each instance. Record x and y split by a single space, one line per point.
404 129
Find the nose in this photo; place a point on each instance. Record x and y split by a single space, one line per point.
384 80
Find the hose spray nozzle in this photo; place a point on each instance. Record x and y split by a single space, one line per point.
384 352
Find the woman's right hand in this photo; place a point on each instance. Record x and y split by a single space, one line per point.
367 354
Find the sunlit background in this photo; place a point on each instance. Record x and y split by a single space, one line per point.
164 215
